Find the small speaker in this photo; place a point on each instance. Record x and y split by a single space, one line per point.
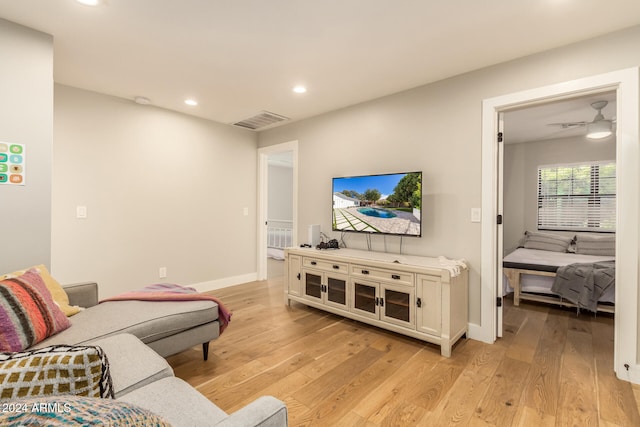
314 235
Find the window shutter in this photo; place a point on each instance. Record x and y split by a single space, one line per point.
577 197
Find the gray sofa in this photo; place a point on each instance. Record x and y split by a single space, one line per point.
135 334
141 377
167 327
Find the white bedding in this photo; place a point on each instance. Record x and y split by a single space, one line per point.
536 256
542 284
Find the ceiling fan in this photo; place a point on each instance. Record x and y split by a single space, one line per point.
598 128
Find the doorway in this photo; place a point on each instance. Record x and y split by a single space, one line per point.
625 85
277 206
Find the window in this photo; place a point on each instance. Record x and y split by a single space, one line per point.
577 197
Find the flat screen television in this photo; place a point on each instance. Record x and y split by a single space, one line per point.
378 204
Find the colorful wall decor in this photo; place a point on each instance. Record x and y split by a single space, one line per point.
12 163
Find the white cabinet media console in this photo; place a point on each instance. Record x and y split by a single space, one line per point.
410 295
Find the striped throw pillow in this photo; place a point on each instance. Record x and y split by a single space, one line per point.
28 313
603 245
547 241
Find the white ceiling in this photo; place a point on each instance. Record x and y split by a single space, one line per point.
240 57
544 121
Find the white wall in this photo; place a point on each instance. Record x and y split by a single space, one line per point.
521 162
162 189
26 117
280 193
436 129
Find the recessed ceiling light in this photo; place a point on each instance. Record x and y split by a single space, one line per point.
89 2
299 89
191 102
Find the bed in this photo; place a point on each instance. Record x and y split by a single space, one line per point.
530 271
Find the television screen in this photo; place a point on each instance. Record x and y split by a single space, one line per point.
378 204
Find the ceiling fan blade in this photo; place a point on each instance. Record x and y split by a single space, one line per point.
567 125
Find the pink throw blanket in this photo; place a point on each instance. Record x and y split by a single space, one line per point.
172 292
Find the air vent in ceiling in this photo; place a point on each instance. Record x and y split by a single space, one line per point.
260 120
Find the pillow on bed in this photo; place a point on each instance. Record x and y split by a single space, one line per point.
547 241
588 244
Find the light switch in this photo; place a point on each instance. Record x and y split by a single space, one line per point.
245 211
476 214
81 212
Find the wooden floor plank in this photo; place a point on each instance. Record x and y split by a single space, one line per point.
499 405
527 417
552 367
394 354
524 344
396 388
578 398
543 382
459 406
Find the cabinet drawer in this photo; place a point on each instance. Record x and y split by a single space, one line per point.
325 265
390 276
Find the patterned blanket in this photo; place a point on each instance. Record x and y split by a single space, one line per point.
584 284
173 292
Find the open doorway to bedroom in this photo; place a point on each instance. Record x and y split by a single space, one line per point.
559 209
277 204
559 197
279 210
625 85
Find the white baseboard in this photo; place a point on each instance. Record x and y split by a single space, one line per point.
631 374
226 282
478 333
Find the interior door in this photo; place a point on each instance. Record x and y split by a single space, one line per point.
500 231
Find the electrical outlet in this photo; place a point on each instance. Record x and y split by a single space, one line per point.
162 272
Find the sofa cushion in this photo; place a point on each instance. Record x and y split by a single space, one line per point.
133 364
147 320
177 402
28 313
58 411
57 292
55 370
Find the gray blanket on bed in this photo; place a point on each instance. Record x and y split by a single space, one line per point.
584 284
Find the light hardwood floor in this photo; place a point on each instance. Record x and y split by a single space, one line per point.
551 368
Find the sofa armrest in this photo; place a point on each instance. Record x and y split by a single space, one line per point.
266 411
82 294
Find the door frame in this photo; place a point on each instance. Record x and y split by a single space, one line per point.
626 84
263 200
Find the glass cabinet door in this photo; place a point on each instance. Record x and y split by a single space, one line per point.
365 299
396 305
313 285
337 290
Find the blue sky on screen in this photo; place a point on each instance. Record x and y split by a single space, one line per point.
383 183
